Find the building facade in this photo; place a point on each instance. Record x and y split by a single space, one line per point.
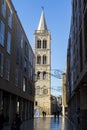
42 42
16 65
64 101
77 65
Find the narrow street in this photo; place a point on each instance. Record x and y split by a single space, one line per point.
47 123
43 65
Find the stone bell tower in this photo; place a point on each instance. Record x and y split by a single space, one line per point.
42 50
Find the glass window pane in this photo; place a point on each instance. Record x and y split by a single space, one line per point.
9 43
4 8
1 64
2 31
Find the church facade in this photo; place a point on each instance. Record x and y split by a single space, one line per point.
42 50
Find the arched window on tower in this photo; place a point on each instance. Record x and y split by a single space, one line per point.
44 75
44 44
39 43
44 59
38 75
38 59
37 90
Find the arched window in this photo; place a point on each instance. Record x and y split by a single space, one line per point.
39 43
38 59
37 90
44 75
38 75
44 59
44 44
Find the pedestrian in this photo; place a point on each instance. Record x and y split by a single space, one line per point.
58 112
55 111
43 113
78 115
1 119
18 121
55 114
13 126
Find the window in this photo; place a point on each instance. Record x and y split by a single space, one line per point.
30 56
24 84
25 65
37 90
38 43
16 77
7 71
1 64
9 43
1 100
36 103
20 79
21 60
44 44
38 75
4 8
18 106
17 56
26 49
10 18
31 74
81 51
29 67
44 75
38 59
2 31
22 41
18 34
84 3
85 35
44 59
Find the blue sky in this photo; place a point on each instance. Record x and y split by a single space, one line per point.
58 19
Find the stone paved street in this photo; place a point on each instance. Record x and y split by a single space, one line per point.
48 123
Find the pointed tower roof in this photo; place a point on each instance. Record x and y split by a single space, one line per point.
42 24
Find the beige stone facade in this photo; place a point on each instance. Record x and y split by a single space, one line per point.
64 103
42 67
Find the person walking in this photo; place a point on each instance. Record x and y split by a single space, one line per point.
1 120
43 113
55 114
16 123
58 113
13 126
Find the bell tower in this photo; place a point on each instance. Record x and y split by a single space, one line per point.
42 50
